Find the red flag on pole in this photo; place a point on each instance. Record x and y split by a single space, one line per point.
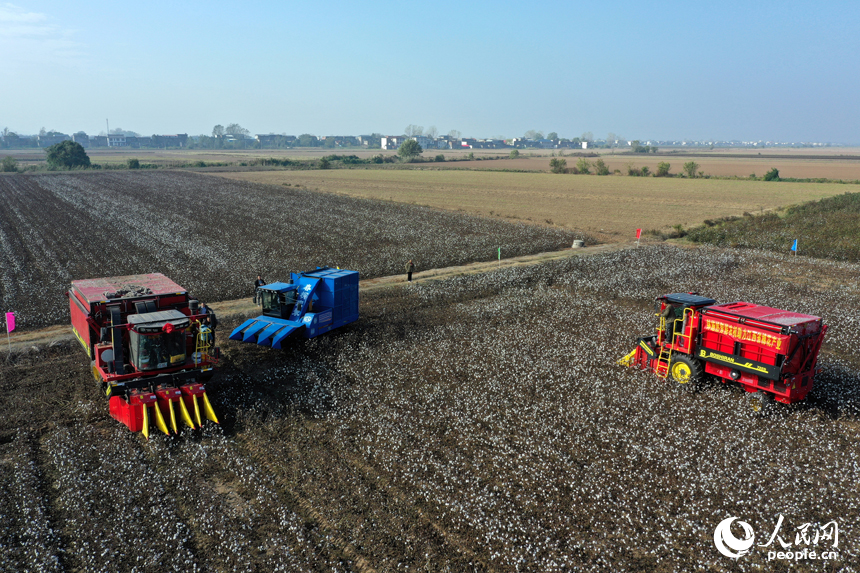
10 321
638 233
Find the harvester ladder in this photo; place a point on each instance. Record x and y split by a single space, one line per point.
664 359
203 344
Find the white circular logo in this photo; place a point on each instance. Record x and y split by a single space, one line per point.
728 544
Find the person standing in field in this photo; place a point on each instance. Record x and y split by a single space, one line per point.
257 284
410 268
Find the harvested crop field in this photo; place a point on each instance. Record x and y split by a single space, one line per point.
475 424
611 208
213 235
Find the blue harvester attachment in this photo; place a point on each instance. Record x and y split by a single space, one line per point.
313 303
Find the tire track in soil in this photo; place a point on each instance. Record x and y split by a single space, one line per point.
303 507
455 541
47 487
32 441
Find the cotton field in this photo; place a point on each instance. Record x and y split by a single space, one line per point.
474 424
214 236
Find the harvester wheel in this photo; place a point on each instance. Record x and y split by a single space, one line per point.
761 403
685 371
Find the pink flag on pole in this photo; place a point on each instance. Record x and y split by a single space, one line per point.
638 233
10 321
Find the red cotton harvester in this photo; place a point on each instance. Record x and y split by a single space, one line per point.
150 349
772 353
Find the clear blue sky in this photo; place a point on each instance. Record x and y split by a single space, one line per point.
785 71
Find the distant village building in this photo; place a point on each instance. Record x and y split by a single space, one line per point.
116 140
394 142
81 138
51 138
425 142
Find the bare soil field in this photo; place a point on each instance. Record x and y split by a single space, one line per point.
610 208
213 235
477 423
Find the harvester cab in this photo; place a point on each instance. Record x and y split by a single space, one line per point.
772 353
157 339
312 303
149 348
278 299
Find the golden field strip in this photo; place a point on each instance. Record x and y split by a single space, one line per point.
611 208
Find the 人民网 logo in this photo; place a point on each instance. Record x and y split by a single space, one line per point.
728 544
805 546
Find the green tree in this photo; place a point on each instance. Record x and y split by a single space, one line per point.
552 135
133 163
307 140
9 164
772 175
600 167
236 130
583 166
409 149
691 168
662 169
325 163
66 155
514 153
645 171
218 130
557 165
440 158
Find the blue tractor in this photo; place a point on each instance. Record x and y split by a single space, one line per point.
313 303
